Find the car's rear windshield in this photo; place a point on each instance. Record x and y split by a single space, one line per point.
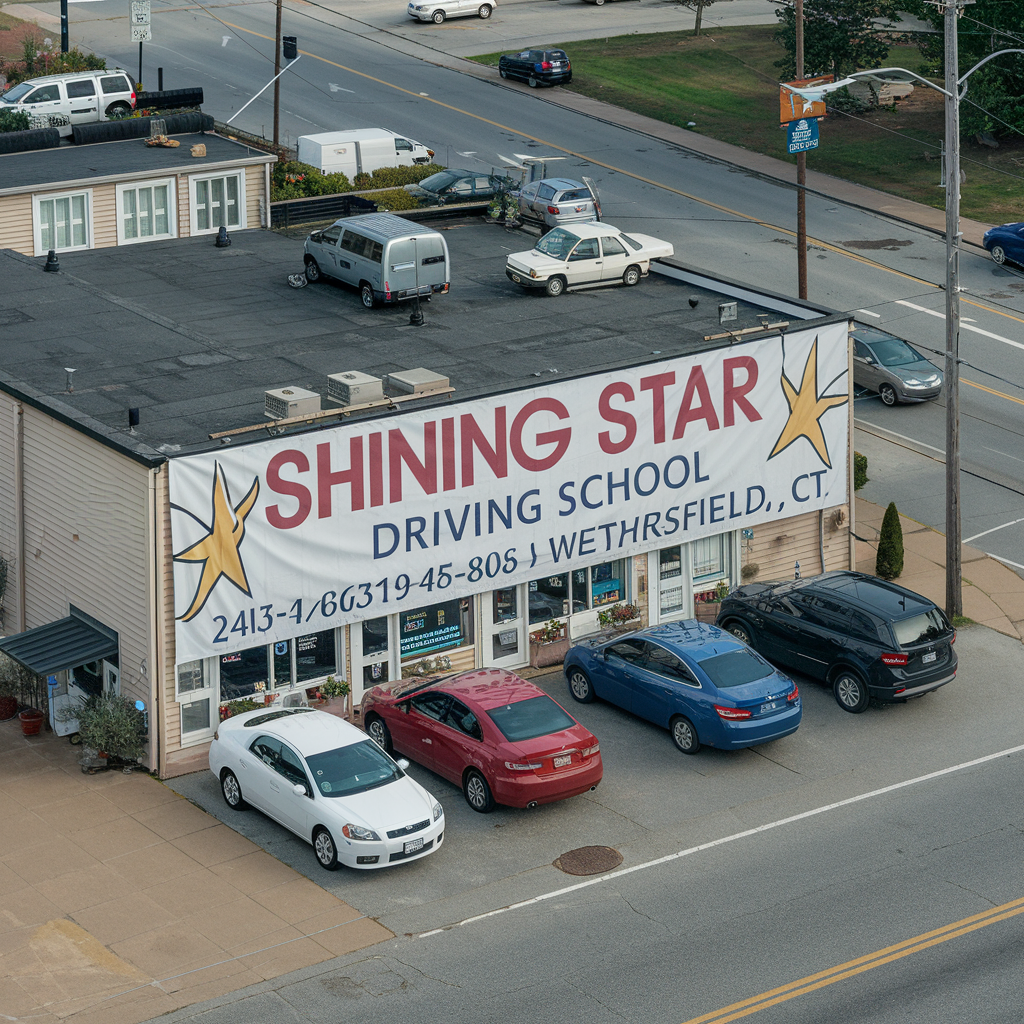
919 629
353 769
631 242
558 243
734 668
15 94
530 718
438 181
573 195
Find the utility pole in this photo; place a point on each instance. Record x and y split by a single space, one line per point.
801 170
277 71
954 597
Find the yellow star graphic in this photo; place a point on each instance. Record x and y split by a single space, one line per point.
806 407
218 550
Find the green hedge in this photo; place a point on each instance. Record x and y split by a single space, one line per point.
889 561
395 177
292 180
860 470
394 199
13 121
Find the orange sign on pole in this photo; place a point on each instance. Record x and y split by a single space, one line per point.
795 108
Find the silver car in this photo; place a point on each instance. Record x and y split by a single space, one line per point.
437 12
555 201
897 371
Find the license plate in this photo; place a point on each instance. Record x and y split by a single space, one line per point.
561 762
929 658
413 845
516 278
770 706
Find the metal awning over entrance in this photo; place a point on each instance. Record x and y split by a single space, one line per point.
61 645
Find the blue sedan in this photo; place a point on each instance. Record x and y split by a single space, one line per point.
696 680
1006 242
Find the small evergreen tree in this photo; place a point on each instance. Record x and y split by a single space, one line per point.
889 563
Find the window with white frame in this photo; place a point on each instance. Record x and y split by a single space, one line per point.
62 222
218 202
145 212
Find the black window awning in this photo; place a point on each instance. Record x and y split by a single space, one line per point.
66 643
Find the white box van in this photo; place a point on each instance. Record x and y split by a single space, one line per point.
60 101
389 259
360 149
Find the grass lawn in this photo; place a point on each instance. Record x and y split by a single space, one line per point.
726 83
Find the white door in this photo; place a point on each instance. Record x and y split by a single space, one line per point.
671 590
584 264
111 678
197 701
616 259
504 632
83 101
374 654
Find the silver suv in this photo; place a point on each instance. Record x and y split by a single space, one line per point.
555 201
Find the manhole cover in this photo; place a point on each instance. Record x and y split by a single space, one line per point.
589 860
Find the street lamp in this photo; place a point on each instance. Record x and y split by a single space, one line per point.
954 94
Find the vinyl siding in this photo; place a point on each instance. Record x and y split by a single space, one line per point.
778 545
104 217
16 224
8 537
170 740
254 188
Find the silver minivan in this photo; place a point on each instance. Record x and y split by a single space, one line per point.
81 97
389 259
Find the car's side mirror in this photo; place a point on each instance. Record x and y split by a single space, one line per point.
316 236
402 763
299 789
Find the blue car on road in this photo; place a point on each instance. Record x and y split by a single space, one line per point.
1006 242
694 679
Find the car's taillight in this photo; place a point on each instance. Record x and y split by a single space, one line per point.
531 767
892 658
552 209
545 65
133 99
591 751
953 639
795 695
732 712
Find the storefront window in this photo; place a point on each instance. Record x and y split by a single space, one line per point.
580 590
549 598
283 663
710 558
670 580
191 677
436 628
315 656
375 636
607 582
243 673
505 605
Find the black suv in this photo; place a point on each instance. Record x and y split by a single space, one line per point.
863 636
551 67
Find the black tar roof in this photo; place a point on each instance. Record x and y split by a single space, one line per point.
193 335
23 171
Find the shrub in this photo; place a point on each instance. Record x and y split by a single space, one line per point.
394 199
292 180
109 722
889 563
13 121
618 614
860 470
36 62
395 177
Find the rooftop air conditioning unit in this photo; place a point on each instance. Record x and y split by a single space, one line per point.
417 382
284 403
353 388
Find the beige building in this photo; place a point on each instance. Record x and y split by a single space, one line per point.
137 462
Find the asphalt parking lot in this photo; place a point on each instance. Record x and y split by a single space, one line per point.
655 800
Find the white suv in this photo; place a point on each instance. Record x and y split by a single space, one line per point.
60 101
437 12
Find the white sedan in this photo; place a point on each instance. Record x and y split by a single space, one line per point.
329 784
586 254
438 12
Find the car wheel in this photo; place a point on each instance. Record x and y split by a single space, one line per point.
631 276
741 631
999 254
232 790
503 73
600 3
555 286
437 17
684 736
478 793
313 270
850 691
579 686
324 848
532 81
379 732
366 294
485 11
887 393
119 110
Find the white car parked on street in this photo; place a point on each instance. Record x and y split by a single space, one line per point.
327 782
437 12
586 254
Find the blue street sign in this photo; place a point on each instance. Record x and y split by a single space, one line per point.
802 135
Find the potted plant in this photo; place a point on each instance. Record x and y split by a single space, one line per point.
236 707
9 688
334 695
110 724
619 616
549 645
708 604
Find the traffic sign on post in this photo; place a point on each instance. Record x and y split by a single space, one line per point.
802 135
139 19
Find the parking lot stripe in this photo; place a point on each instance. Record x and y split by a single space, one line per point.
745 834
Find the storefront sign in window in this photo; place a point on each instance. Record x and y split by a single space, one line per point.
240 671
315 656
436 628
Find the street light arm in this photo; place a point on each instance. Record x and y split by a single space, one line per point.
967 74
878 73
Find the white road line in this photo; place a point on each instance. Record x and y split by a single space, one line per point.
903 437
867 312
985 533
1005 455
727 839
966 326
1005 561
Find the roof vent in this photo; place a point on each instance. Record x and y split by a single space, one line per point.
417 382
353 388
726 311
284 403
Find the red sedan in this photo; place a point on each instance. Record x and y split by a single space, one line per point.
499 737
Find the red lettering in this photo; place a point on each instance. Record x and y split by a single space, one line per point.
473 437
619 416
559 438
448 453
290 487
399 451
657 385
376 470
327 478
734 394
697 386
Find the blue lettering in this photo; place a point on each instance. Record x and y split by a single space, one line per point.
583 492
567 498
396 535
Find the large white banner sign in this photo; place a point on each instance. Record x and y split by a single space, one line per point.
300 533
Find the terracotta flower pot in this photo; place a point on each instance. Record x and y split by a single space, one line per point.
31 721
